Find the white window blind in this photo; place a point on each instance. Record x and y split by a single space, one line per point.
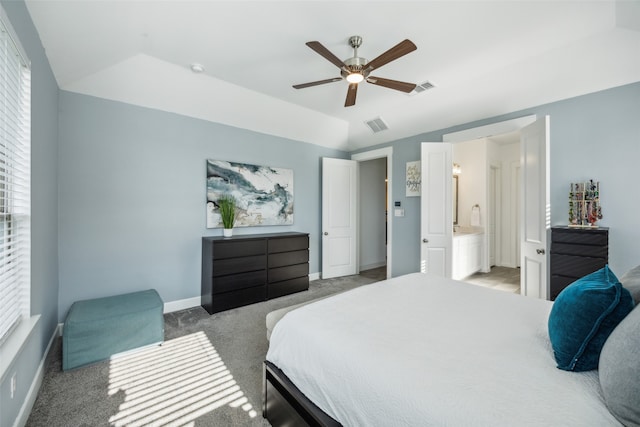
15 174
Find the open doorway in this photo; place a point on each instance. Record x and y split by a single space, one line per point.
488 160
373 216
375 230
489 181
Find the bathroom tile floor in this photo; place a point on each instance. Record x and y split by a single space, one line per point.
499 278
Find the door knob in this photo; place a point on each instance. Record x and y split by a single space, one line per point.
425 241
540 251
326 233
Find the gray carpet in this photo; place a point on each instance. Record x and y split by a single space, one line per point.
207 373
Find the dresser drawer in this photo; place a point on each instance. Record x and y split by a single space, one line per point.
239 281
286 244
558 283
289 272
288 258
601 251
584 237
287 287
222 267
239 248
239 298
575 266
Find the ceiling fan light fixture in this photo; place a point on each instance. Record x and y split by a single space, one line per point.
355 77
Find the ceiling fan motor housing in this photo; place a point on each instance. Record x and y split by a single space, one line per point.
355 65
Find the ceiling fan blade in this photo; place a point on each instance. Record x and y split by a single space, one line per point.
392 84
351 95
319 82
395 52
325 53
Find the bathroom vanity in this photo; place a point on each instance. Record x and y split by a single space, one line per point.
467 252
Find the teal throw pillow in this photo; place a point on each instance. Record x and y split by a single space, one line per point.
583 316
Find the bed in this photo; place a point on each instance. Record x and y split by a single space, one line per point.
424 350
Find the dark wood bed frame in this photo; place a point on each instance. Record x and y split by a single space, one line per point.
285 405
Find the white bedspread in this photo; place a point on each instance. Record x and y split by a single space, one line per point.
420 350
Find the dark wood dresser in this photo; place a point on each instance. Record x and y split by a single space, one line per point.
576 252
246 269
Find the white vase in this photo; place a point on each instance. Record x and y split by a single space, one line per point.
227 232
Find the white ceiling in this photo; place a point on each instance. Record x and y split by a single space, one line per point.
484 57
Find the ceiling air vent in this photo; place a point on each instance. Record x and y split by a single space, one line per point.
421 87
377 125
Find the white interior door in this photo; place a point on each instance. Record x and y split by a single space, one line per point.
436 204
339 219
535 212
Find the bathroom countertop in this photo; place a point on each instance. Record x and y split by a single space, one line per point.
467 231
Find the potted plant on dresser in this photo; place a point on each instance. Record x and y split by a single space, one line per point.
227 208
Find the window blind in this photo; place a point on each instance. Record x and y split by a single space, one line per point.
15 172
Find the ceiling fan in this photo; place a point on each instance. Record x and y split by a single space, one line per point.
356 69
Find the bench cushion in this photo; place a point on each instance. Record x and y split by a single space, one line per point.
96 329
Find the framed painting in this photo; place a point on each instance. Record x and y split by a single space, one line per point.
264 194
413 179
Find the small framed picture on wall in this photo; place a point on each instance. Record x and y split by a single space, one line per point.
414 179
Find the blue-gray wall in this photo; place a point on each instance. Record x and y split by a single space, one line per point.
132 195
44 214
595 136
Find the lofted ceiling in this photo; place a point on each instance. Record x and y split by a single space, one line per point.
484 58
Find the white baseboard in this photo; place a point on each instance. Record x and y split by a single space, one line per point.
372 266
32 394
314 276
181 304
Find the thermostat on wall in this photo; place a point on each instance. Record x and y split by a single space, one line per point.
398 212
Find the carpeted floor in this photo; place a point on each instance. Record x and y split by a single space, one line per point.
207 373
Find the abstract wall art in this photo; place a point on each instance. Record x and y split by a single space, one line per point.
414 179
264 194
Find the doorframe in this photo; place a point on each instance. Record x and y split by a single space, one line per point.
486 131
386 152
514 216
496 211
489 130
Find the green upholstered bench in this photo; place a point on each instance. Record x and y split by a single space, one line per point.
97 329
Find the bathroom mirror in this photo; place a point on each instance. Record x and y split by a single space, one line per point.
455 199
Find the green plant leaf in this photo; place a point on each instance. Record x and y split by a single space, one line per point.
227 207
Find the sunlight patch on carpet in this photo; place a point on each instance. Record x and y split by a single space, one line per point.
173 384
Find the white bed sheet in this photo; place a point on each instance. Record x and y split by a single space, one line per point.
421 350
